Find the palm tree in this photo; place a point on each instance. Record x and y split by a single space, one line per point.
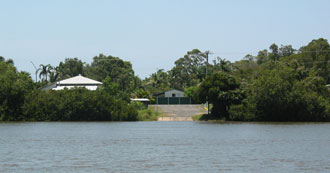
45 70
222 65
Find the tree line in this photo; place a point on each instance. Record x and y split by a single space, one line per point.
278 84
21 100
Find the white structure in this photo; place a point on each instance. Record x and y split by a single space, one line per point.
145 101
77 81
174 93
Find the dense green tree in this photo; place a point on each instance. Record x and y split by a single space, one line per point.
316 56
192 92
119 71
70 67
54 74
157 82
220 65
222 90
113 89
8 61
77 104
245 70
280 94
14 86
186 71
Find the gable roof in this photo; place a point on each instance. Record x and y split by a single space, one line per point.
173 90
157 94
79 80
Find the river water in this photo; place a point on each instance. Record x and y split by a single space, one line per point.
164 147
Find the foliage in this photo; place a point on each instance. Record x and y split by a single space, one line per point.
113 89
149 114
192 92
70 67
281 94
187 71
77 104
279 84
222 90
157 82
14 86
119 71
44 71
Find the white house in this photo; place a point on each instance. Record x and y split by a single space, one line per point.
77 81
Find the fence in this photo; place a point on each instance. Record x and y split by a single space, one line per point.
173 100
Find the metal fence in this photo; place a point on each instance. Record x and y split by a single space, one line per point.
173 100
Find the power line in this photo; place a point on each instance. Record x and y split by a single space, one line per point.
296 51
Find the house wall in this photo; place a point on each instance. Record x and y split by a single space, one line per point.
176 92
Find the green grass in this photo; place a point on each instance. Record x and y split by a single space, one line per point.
148 115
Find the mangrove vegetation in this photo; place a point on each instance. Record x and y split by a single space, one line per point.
280 83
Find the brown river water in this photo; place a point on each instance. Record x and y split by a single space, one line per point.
164 147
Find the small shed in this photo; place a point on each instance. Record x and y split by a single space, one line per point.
174 93
172 96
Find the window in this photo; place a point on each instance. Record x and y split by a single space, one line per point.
173 95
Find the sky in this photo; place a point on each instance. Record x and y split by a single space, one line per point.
152 34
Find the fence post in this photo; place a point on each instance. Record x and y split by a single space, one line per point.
179 100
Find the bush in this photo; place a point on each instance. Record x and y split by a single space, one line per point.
76 105
14 86
148 115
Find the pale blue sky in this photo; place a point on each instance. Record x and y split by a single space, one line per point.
153 33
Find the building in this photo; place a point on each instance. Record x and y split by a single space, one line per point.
170 93
77 81
172 97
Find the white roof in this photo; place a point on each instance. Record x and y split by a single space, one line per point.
79 80
141 99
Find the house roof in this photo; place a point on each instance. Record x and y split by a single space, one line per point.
157 94
173 90
79 80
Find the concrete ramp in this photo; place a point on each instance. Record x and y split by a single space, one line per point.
178 112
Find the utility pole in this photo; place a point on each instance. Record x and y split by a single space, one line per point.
206 73
207 60
36 70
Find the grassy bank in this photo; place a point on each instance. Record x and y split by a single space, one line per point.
149 114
